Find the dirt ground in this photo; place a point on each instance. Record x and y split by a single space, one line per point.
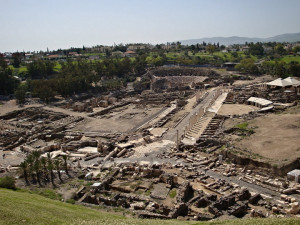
261 79
276 137
236 109
119 120
9 106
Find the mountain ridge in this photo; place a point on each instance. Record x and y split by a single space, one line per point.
288 37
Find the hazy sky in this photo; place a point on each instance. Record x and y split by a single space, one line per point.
38 24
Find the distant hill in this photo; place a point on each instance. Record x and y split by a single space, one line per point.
241 40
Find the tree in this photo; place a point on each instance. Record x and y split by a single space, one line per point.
17 59
43 89
65 158
20 94
37 167
44 165
279 49
256 49
30 161
247 66
3 63
295 69
280 69
57 166
39 69
296 49
140 64
234 54
50 168
37 164
211 48
8 83
222 47
267 67
24 167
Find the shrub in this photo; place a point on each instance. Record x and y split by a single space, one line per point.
172 193
8 182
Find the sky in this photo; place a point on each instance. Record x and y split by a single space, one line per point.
33 25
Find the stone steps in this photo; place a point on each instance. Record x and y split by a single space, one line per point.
197 127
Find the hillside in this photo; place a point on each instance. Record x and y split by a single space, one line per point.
293 37
25 208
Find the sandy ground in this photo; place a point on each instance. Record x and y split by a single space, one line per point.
276 137
260 79
236 109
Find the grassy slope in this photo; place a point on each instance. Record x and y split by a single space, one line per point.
24 208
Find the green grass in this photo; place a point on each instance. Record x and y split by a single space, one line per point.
289 58
242 126
18 71
22 69
25 208
245 131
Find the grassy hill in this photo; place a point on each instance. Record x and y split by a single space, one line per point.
25 208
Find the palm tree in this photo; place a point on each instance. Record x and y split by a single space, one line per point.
44 165
30 161
65 157
57 166
24 167
36 154
50 168
37 167
37 164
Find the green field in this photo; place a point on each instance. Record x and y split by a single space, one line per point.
18 207
290 58
20 69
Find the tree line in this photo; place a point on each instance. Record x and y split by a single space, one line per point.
276 68
78 76
8 83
